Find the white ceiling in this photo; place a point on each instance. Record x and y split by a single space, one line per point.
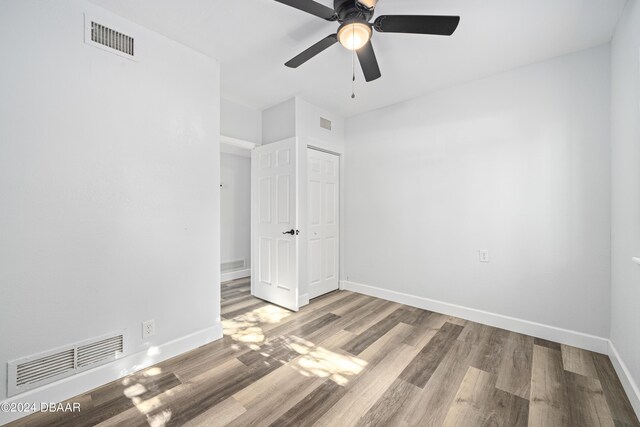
252 39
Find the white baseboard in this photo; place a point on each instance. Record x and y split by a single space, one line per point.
630 386
539 330
233 275
88 380
303 300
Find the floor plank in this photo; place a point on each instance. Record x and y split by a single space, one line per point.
479 403
220 415
473 394
618 402
587 402
422 367
578 361
366 338
548 400
514 374
549 344
394 401
440 391
370 386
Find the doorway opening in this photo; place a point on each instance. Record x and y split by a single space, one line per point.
235 211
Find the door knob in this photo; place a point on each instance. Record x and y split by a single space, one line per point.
292 232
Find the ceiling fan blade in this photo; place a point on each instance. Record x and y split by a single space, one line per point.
317 48
368 62
415 24
310 6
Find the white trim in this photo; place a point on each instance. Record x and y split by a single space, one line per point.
235 142
636 260
303 300
88 380
233 275
322 150
630 386
548 332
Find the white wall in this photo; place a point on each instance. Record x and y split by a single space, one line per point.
625 196
241 122
279 122
109 176
235 208
517 164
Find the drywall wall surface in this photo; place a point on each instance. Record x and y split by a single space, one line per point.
279 122
625 184
240 122
109 184
516 164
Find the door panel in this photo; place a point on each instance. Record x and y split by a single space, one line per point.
323 217
274 178
331 254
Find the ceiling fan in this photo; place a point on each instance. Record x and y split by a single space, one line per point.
355 30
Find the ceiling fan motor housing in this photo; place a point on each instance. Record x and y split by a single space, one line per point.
352 10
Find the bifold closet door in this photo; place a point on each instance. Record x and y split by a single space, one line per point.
323 174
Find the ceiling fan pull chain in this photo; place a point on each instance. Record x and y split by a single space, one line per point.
353 71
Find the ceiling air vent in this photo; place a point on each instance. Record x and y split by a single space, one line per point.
105 37
325 123
44 368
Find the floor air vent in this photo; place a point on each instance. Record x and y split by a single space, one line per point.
34 371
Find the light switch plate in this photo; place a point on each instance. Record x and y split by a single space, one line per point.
483 255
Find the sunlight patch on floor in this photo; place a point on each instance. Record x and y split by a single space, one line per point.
245 327
312 360
159 420
323 363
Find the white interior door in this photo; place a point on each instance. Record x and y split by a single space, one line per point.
323 174
274 275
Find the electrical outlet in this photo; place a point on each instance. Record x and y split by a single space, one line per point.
148 328
483 255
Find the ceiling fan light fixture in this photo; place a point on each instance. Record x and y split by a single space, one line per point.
354 35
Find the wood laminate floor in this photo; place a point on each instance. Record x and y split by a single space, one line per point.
352 360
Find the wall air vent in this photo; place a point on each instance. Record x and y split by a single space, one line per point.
42 369
99 352
105 37
34 371
111 38
325 123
